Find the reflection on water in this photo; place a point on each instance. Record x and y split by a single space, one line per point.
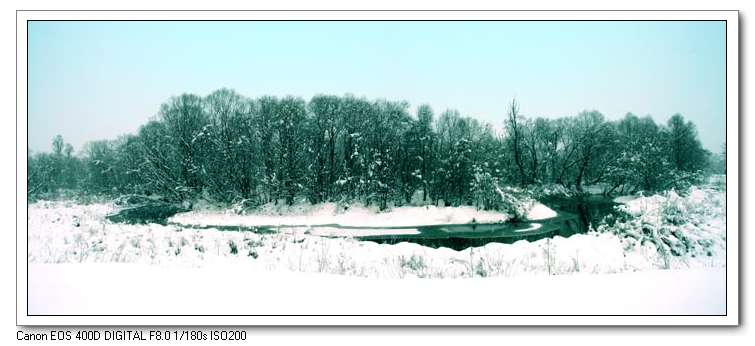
589 209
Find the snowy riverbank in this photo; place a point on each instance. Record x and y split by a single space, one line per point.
64 233
353 216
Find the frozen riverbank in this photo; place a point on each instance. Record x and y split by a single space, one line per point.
66 233
353 216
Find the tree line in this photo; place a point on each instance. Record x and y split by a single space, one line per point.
230 148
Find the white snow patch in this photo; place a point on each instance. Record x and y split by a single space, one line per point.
625 199
696 196
532 227
355 216
540 211
346 232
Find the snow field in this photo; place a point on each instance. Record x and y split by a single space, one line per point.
241 290
70 233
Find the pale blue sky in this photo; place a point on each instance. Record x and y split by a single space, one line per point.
98 80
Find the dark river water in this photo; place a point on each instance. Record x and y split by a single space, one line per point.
590 210
575 215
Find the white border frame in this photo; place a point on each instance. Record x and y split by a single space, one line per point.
732 105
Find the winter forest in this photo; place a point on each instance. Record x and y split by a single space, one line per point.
329 160
227 148
371 188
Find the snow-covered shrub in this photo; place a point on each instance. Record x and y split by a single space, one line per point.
482 269
281 208
488 194
414 265
414 262
549 190
717 182
484 190
514 202
128 200
682 180
676 224
242 205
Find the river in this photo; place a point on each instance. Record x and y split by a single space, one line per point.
574 215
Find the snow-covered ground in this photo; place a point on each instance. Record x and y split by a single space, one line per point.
237 289
353 216
62 232
79 263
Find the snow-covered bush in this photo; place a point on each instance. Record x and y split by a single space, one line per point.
682 180
488 194
550 190
717 182
688 224
242 206
414 262
515 202
484 190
